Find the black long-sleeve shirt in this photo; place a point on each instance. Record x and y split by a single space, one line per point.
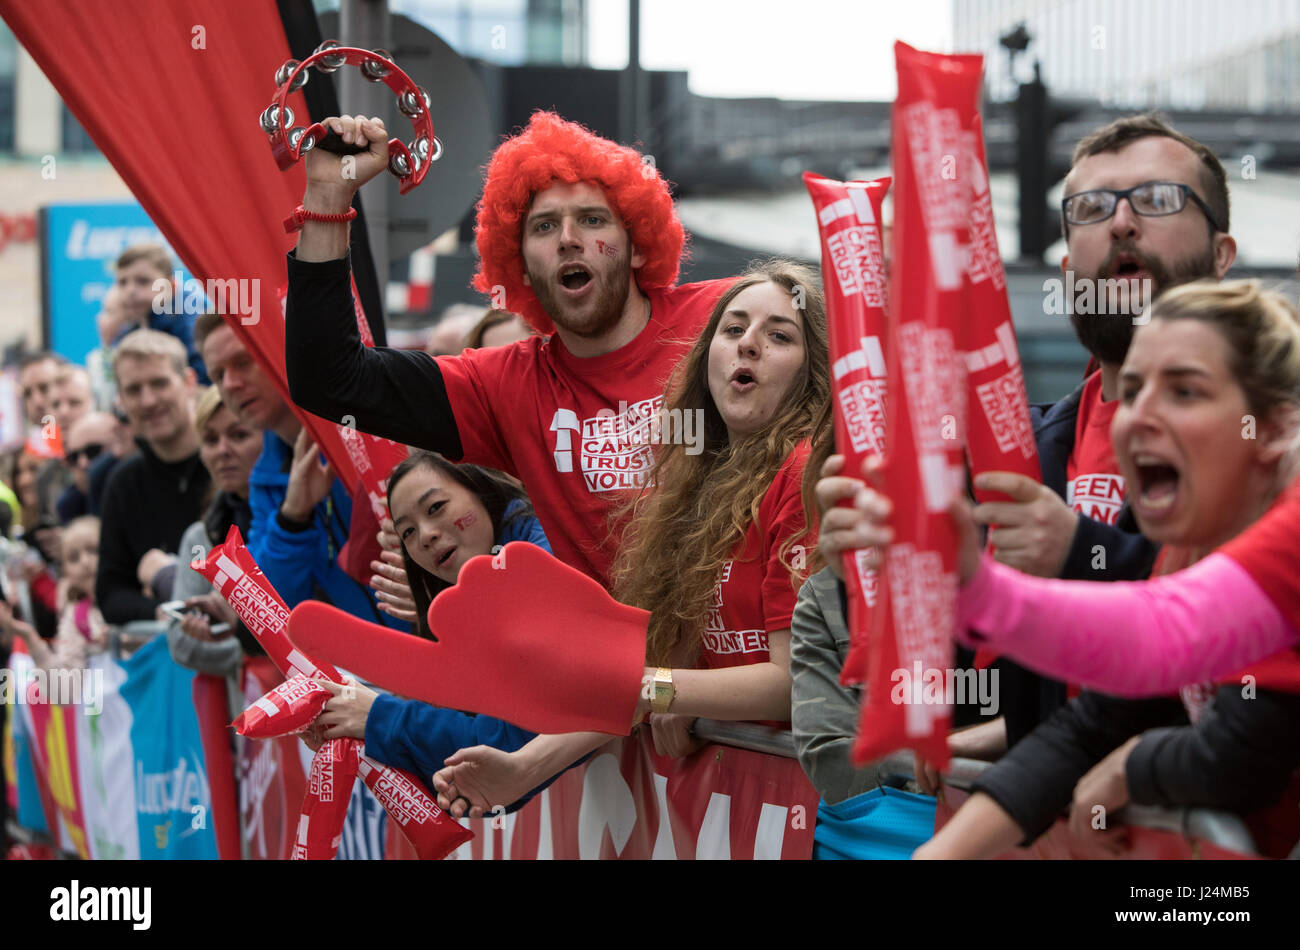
148 503
396 394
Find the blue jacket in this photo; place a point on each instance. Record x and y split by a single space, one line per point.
303 565
408 734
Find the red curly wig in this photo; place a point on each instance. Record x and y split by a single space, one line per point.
551 150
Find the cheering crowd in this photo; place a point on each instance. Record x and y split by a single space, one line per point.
1175 459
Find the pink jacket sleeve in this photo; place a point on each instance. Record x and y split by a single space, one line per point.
1126 638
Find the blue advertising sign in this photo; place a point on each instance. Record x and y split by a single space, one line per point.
79 243
172 796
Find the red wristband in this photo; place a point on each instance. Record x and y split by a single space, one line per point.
300 214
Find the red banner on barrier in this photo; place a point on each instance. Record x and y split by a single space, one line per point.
212 707
272 780
629 803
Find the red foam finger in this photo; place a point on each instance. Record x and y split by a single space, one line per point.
522 637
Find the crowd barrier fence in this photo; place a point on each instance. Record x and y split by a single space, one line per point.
198 791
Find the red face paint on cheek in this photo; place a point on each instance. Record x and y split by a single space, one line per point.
609 250
465 520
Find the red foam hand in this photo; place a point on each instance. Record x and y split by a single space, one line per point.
325 806
417 815
522 637
284 711
853 264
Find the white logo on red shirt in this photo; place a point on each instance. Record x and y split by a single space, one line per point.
1097 496
717 638
614 449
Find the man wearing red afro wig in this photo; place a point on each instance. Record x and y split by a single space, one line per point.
577 235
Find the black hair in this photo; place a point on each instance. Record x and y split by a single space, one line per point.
496 491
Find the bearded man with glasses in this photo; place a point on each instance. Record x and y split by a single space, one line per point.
1145 209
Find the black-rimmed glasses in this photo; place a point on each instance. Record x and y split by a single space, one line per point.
1151 199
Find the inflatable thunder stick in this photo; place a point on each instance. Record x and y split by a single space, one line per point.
285 711
853 274
911 652
233 572
1001 436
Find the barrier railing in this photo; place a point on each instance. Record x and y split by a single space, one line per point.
1223 829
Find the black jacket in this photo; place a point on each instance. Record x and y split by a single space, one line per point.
1240 756
148 503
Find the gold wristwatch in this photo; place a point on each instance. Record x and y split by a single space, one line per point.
665 692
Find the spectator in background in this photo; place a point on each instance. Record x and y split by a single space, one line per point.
72 396
229 448
11 512
81 630
497 328
120 446
84 442
38 382
301 513
38 375
154 496
99 361
41 535
138 272
447 338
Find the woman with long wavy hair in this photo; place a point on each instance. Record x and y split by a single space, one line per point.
719 538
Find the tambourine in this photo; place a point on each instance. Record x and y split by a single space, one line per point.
409 163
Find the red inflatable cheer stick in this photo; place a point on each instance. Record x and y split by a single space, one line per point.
522 637
231 569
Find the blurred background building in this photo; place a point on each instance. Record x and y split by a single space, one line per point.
1139 54
734 99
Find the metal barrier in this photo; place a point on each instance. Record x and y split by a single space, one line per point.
125 639
1221 828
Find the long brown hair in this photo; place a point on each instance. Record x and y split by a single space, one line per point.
495 490
694 509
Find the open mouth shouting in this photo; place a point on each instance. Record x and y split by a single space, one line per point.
1129 267
575 280
1156 491
743 379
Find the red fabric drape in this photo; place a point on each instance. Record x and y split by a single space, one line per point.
171 94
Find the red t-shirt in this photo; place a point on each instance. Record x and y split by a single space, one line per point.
1095 488
576 431
1269 551
755 595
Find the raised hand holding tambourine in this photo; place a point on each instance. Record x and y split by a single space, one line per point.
358 140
